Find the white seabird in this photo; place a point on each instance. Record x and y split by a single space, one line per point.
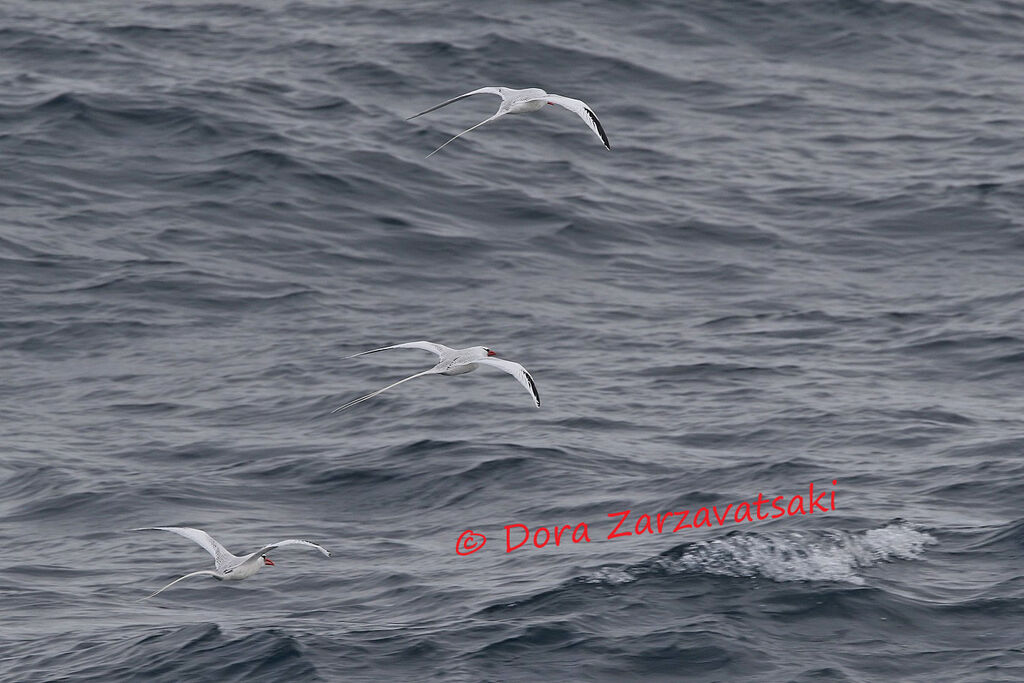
523 102
229 567
453 362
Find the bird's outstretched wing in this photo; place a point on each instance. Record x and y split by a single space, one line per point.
201 572
425 345
584 112
291 541
431 371
221 557
517 371
489 90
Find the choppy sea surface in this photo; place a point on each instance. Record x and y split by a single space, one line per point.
802 261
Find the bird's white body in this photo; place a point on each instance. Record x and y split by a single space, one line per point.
524 101
453 362
459 361
244 569
227 566
461 370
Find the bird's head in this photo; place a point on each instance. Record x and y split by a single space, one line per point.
488 352
266 561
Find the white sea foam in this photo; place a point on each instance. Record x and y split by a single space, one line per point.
826 555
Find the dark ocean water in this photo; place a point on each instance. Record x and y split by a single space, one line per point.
802 261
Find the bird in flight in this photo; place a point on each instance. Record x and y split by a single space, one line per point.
228 567
523 102
453 362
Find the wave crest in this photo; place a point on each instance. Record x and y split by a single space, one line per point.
821 555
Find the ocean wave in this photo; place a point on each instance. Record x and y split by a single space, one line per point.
814 555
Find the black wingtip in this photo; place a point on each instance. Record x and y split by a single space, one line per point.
533 387
600 129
